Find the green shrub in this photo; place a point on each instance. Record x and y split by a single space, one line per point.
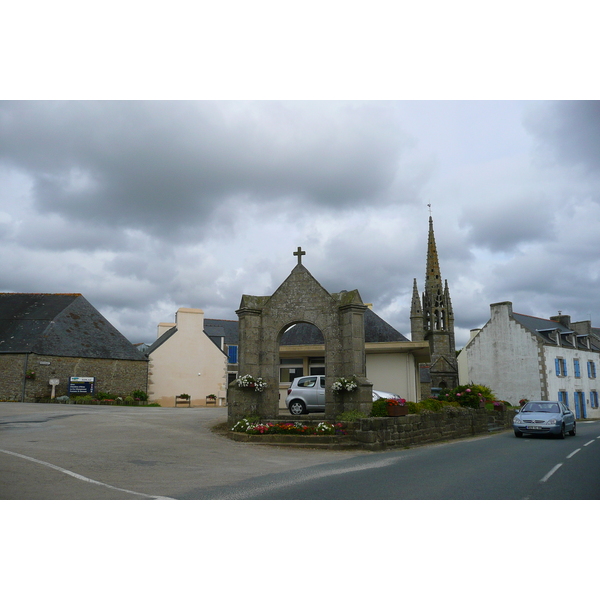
350 416
379 408
87 399
431 404
472 395
139 395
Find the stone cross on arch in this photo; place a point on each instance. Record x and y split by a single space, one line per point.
299 253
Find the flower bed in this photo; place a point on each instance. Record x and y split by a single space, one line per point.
323 428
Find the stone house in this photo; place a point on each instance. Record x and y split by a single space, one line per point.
46 337
188 357
519 356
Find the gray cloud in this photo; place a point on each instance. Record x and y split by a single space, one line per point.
158 166
569 132
145 207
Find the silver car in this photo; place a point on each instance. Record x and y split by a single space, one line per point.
544 417
307 394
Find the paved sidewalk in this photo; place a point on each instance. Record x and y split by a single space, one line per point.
52 451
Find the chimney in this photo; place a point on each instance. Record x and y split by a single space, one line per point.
564 320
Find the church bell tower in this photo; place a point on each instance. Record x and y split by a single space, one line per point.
432 320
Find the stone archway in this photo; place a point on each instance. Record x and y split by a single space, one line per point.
262 321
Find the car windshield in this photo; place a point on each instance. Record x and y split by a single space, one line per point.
547 407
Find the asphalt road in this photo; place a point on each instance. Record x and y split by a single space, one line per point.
494 467
50 451
97 452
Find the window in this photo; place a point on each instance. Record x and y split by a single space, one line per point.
289 369
563 397
561 367
594 399
576 367
316 365
591 369
232 355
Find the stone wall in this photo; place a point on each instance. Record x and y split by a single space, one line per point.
12 378
112 376
383 433
389 432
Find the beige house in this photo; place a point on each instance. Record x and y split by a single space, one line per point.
185 360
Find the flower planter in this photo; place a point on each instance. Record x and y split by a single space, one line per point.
397 410
500 408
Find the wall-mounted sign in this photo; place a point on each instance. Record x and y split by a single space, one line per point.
82 385
44 362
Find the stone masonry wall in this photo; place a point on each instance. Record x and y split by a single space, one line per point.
112 376
389 432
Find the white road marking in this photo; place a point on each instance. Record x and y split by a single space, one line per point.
574 453
87 479
550 473
590 442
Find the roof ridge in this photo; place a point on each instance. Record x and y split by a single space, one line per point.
534 317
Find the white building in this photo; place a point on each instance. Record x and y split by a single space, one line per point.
520 356
186 359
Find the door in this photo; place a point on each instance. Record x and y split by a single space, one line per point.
580 412
321 393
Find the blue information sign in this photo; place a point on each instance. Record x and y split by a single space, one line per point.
82 385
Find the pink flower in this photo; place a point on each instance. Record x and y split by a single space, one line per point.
458 394
467 390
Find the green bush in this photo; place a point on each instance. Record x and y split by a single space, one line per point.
431 404
350 416
87 399
139 395
471 396
379 408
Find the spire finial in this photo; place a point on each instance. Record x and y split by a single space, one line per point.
429 205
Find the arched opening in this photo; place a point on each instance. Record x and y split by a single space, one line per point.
301 354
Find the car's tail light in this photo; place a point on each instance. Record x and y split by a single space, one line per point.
289 391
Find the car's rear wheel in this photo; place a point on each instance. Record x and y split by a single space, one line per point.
518 433
574 430
297 407
561 435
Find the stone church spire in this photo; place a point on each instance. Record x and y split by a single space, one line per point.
433 277
416 316
433 321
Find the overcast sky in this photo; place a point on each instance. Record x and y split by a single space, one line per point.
148 206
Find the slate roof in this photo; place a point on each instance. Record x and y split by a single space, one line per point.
160 340
59 325
228 328
376 330
545 328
